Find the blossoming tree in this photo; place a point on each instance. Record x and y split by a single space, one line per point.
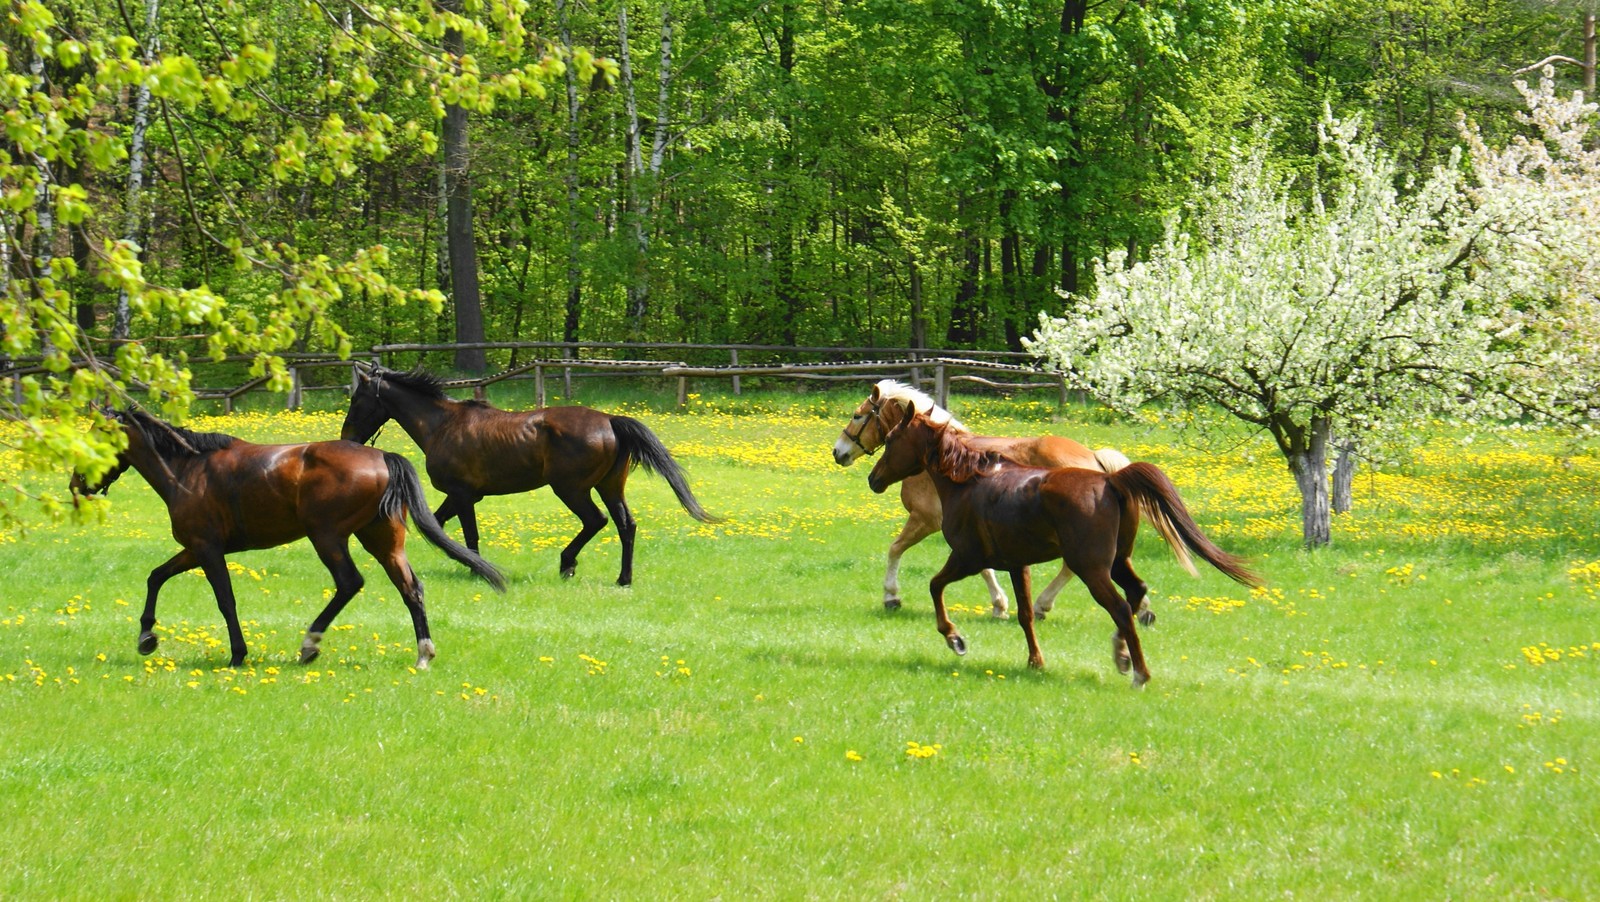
1364 307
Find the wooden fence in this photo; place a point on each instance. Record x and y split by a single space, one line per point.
928 368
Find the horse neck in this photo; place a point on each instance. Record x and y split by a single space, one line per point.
167 475
419 415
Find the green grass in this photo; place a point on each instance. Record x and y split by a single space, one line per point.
1372 726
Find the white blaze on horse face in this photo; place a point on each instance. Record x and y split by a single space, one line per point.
846 452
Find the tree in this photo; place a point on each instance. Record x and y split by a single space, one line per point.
234 145
1306 319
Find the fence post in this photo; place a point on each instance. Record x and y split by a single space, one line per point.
1061 383
294 387
916 372
734 357
683 391
566 374
941 387
538 386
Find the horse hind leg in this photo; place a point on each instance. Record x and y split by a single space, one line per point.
627 527
1046 601
386 542
579 502
335 555
1134 588
1126 650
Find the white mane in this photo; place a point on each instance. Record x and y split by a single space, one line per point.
918 401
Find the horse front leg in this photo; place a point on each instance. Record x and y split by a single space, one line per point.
919 525
182 561
947 574
216 570
1021 586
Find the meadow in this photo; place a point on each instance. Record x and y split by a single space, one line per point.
1414 711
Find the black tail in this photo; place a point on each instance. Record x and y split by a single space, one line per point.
1150 488
639 445
405 492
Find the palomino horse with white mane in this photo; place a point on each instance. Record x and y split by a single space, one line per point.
890 402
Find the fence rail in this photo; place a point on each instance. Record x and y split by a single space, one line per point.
919 366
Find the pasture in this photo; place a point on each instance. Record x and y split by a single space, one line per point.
1414 711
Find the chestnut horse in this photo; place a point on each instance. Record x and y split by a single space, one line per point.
889 403
1003 516
473 450
224 495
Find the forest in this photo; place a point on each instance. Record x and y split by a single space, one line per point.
924 173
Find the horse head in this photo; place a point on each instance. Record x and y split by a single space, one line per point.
81 485
869 426
905 451
367 411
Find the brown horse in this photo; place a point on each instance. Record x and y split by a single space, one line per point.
1003 516
224 495
890 402
473 450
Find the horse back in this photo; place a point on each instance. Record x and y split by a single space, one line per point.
1041 451
261 496
488 451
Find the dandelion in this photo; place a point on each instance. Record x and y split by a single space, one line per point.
852 755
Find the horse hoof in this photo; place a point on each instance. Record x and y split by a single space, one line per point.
625 583
957 644
1040 615
148 643
1036 663
1146 616
425 653
1001 614
891 604
1140 679
1119 654
309 653
569 572
236 662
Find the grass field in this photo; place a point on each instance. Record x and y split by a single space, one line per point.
1414 712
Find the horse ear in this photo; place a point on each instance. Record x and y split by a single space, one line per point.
877 393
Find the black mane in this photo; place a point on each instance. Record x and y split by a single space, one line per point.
425 384
168 440
420 381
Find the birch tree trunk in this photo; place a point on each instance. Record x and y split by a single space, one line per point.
120 322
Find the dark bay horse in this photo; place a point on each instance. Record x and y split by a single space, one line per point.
890 402
1003 516
224 495
473 450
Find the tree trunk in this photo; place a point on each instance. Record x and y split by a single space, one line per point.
574 219
919 319
963 328
1308 461
1344 474
458 221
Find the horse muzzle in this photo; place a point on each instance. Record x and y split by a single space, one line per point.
877 485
